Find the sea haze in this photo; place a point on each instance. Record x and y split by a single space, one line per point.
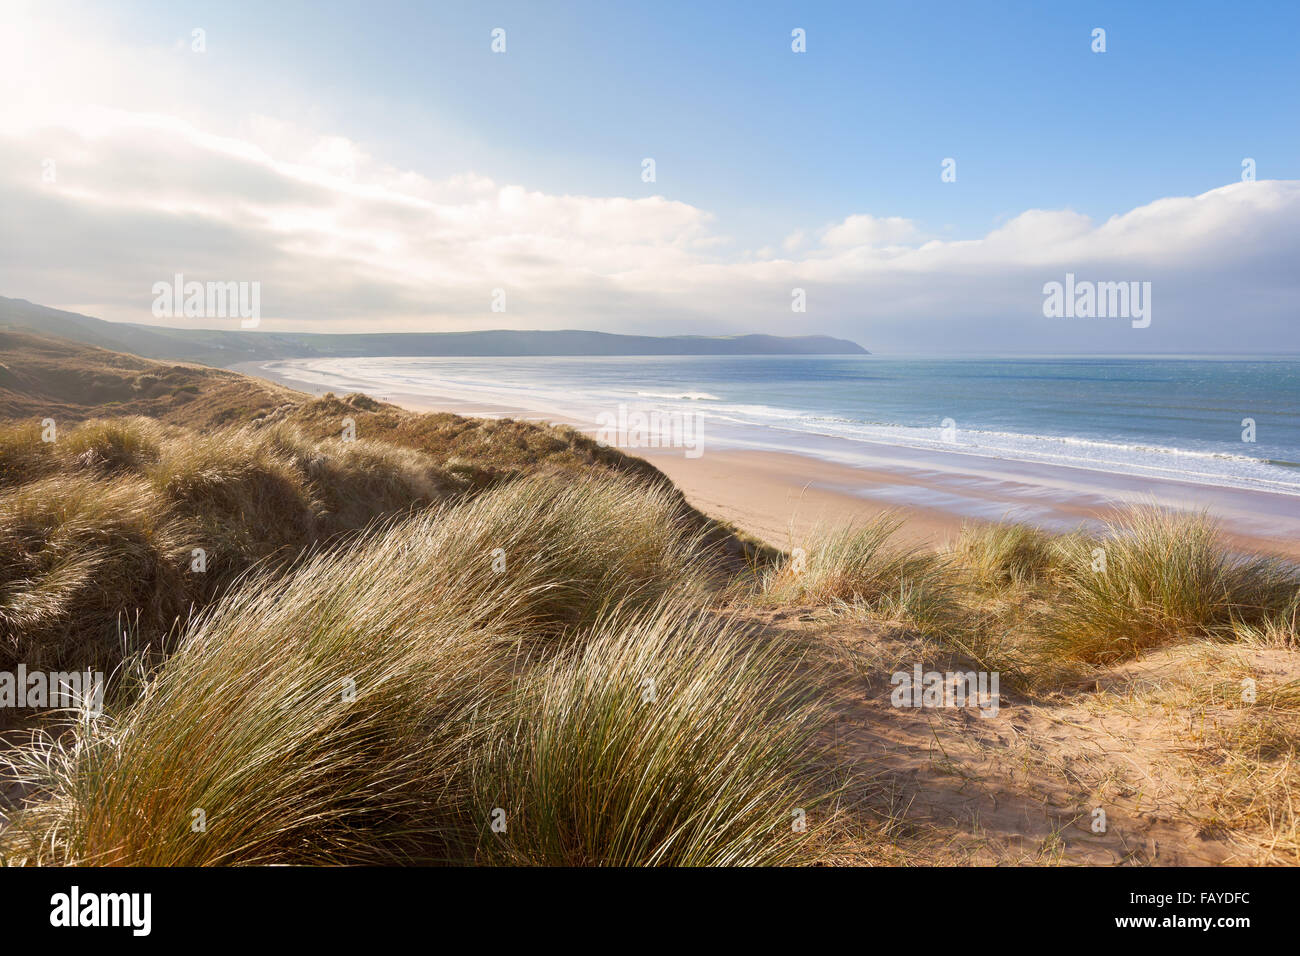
1156 417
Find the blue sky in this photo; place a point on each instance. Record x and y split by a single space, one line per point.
768 139
820 170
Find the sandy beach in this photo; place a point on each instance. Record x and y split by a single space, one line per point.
780 496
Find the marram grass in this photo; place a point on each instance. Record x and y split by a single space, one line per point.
378 704
1003 555
671 738
382 667
1154 576
861 566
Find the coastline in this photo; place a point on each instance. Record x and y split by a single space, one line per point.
779 495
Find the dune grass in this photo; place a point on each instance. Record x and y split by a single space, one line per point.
339 740
673 738
996 556
100 530
112 446
1153 576
1250 773
410 689
98 447
1279 628
1041 608
393 647
120 527
864 566
81 560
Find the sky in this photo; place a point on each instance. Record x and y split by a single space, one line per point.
379 167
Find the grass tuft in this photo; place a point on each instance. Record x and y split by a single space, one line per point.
252 722
864 567
673 738
996 556
1154 576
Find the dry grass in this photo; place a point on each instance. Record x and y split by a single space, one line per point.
1040 608
1156 576
998 556
44 377
99 530
397 636
863 566
83 559
672 738
474 689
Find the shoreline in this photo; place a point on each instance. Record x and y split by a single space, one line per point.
780 495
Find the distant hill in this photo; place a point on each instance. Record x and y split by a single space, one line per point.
42 376
227 348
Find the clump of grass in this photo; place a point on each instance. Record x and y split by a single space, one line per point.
99 446
359 481
997 556
23 455
260 490
850 562
1280 628
250 720
674 738
105 532
107 535
249 498
861 565
1156 575
585 544
71 549
112 446
250 731
485 450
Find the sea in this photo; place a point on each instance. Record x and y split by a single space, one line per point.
1231 422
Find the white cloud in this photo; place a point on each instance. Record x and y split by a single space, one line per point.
148 186
865 230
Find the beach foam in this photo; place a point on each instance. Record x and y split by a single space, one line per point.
738 406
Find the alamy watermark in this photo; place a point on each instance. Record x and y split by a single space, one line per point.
208 300
74 908
65 690
919 688
630 428
1085 299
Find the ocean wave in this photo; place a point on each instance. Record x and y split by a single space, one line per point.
681 396
1134 458
773 425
